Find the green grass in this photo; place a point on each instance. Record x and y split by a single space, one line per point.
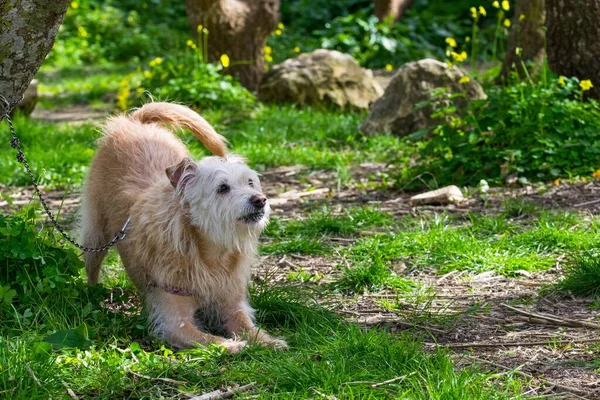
59 154
326 354
583 276
272 137
96 86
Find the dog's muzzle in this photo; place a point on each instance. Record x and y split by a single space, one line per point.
257 209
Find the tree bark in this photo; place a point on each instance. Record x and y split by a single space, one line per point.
394 8
238 28
527 35
573 40
27 32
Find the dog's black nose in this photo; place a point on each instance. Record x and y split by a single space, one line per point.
258 201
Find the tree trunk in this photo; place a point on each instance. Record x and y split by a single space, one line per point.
27 32
393 8
238 28
573 39
526 34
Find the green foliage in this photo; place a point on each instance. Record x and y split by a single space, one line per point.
374 44
186 78
539 131
582 278
32 263
349 26
96 31
307 16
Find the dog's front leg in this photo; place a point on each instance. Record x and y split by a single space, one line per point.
238 321
172 319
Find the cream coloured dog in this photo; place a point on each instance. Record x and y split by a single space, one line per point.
194 225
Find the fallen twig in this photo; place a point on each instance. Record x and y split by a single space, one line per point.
69 391
35 378
323 394
510 344
374 321
528 376
396 379
227 394
168 380
587 203
556 320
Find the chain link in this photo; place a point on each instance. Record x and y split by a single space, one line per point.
16 144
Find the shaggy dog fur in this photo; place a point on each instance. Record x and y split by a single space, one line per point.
194 225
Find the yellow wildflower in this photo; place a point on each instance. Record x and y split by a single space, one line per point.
464 79
521 17
467 39
268 50
74 4
519 51
205 31
388 67
82 32
561 81
451 42
225 60
556 182
278 32
140 90
459 57
495 4
296 49
473 12
506 23
147 74
280 26
505 5
268 58
596 174
586 85
449 64
155 62
190 43
199 28
482 11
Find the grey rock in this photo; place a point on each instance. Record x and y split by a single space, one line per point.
323 78
397 112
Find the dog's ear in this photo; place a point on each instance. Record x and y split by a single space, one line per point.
181 173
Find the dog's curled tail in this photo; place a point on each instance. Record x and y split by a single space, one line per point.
180 116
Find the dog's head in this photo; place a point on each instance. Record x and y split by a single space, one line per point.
224 197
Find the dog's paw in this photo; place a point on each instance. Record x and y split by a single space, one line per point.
233 347
274 343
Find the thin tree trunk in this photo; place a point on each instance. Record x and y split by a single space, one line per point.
27 32
526 34
238 28
573 39
394 8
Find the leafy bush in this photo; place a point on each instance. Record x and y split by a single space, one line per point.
376 44
32 262
307 16
349 26
539 131
95 30
187 78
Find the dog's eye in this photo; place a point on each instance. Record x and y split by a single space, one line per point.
250 183
223 189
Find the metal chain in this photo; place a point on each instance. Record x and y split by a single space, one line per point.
16 144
